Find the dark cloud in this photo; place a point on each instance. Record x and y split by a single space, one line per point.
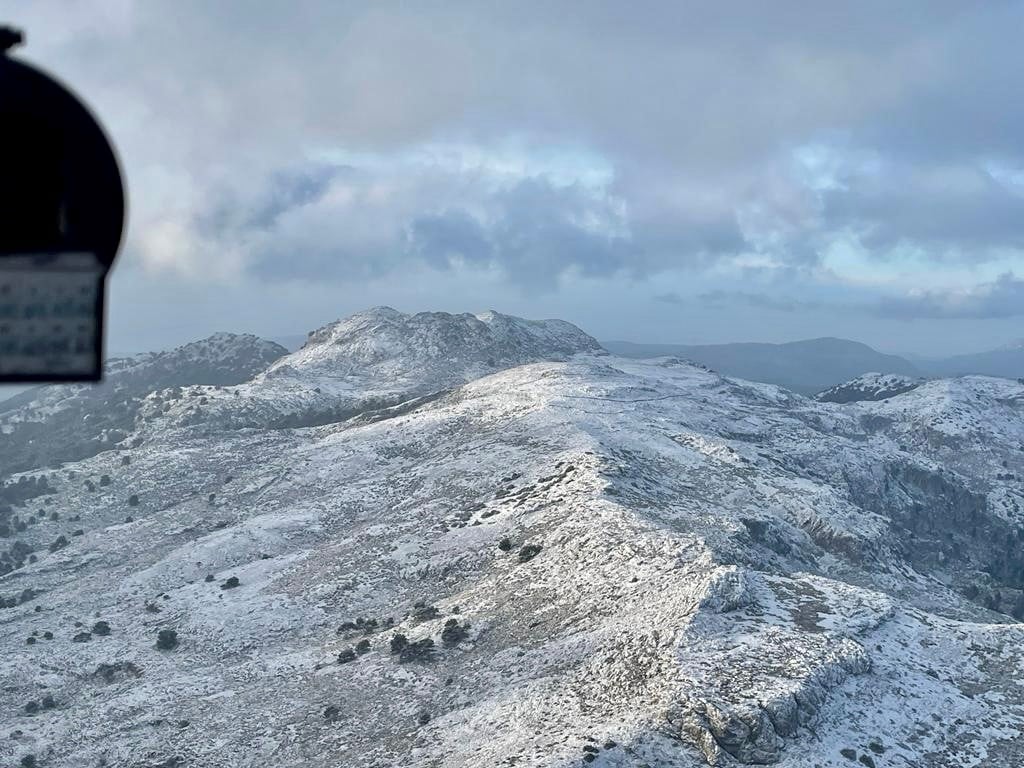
1002 298
950 211
342 141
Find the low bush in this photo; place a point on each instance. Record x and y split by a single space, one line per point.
167 640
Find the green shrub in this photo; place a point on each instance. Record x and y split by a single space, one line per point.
399 642
167 640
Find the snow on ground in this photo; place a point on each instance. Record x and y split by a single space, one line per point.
580 560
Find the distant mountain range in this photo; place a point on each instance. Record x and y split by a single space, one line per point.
1005 361
807 366
815 365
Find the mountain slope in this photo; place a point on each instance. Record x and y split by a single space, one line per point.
372 360
50 424
594 560
803 366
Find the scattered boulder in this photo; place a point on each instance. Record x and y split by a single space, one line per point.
231 583
528 552
101 628
118 671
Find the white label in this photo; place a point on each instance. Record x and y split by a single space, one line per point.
49 324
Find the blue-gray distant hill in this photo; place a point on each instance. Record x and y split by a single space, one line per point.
808 367
1006 361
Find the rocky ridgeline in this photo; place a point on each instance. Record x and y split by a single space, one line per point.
536 555
870 386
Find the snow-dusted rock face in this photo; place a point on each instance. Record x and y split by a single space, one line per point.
870 386
64 422
383 343
371 361
581 561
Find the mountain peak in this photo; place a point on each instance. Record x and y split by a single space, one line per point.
386 343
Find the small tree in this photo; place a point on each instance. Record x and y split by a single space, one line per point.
453 633
399 642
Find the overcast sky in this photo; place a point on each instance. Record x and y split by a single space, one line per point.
690 172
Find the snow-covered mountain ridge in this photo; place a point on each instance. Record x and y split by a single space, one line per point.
373 359
870 386
59 423
570 561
